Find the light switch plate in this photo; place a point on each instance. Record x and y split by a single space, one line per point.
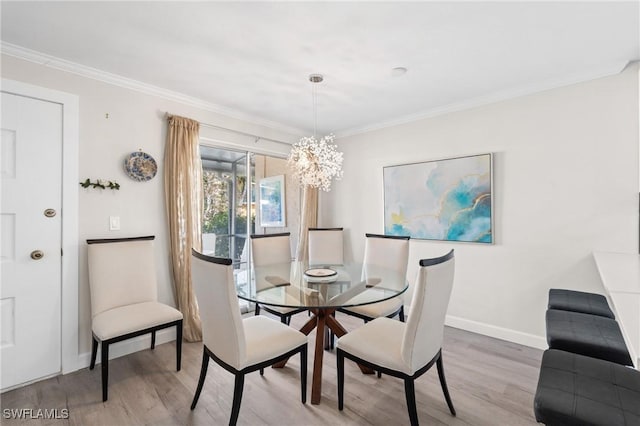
114 223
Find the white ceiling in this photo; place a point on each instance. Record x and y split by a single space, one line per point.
253 59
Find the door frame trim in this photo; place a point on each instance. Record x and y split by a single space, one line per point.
70 163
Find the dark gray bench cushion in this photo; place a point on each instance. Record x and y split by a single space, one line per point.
578 390
579 301
585 334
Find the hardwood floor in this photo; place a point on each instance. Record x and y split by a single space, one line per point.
492 382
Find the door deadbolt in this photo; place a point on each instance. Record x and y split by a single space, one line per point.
50 212
37 254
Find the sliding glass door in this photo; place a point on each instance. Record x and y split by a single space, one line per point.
230 181
229 212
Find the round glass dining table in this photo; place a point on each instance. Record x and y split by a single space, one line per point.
322 289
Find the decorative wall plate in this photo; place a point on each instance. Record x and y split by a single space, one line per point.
140 166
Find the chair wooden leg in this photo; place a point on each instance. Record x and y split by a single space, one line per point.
332 336
179 346
203 375
262 371
94 353
153 340
105 369
340 360
303 373
237 399
283 319
257 309
410 395
401 313
327 339
443 383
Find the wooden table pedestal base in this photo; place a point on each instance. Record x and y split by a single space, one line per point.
321 318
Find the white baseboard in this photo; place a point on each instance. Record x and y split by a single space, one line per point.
130 346
501 333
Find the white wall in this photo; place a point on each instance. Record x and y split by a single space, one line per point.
135 121
565 185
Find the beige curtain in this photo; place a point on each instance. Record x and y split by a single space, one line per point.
183 196
308 219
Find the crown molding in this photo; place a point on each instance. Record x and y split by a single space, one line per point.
127 83
138 86
605 71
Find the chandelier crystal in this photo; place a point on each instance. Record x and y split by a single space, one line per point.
316 162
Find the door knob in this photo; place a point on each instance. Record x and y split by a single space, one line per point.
49 212
37 254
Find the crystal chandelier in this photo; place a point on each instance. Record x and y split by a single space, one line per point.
315 162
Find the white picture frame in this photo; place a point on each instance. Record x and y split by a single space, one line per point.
271 198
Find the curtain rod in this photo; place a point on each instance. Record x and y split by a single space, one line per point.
257 138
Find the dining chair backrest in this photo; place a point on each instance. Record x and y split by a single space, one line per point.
269 249
425 326
122 272
222 329
326 246
386 251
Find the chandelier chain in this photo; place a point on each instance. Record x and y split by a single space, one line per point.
314 99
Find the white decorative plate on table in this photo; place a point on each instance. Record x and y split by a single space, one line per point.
140 166
320 275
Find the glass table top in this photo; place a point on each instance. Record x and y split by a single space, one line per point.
300 285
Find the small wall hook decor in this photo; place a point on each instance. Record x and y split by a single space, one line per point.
100 183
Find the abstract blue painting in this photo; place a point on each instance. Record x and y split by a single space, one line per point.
447 200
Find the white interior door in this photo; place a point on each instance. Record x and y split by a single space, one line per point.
31 239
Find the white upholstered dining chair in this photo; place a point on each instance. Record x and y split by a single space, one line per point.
124 297
406 350
326 246
385 251
269 250
239 346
